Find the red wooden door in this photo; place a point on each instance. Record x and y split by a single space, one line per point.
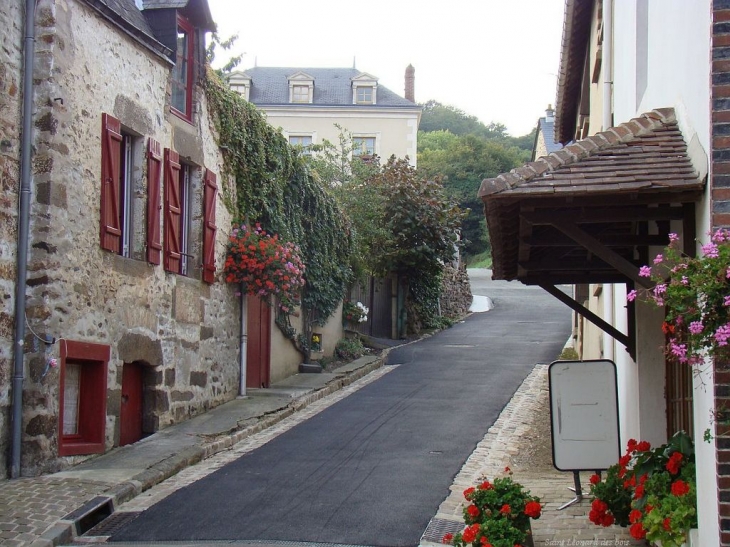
258 353
130 415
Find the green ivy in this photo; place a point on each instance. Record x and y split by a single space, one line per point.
268 181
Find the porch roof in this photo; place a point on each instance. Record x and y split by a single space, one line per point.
589 213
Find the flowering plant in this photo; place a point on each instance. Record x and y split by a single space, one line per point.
695 292
498 514
661 488
354 313
265 266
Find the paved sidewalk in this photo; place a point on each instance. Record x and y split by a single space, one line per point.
510 443
32 510
51 509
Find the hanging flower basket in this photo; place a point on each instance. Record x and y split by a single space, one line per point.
696 295
265 266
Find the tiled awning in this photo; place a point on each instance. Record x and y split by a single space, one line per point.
589 212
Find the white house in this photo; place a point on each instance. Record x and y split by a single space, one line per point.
309 104
635 110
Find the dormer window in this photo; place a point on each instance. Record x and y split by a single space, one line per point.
365 95
182 75
240 82
300 94
364 89
301 88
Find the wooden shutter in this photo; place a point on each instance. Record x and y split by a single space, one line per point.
209 228
111 148
173 211
154 164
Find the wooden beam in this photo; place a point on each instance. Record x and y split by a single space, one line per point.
607 255
601 200
604 214
610 240
589 315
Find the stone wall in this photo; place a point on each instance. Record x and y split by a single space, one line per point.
182 330
11 58
455 292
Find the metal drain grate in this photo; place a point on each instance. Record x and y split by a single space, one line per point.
437 528
113 523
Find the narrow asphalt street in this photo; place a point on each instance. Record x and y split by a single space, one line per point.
373 468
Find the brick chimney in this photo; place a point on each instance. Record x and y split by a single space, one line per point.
410 83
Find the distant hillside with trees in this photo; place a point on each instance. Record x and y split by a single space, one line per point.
464 151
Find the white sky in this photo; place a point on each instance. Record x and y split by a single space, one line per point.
495 59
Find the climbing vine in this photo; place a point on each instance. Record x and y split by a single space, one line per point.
270 183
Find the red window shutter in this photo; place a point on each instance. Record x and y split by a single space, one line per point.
173 211
110 220
154 164
209 227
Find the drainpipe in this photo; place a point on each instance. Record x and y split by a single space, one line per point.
244 343
23 229
606 121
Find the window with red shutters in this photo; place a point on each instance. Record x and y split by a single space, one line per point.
110 218
154 164
209 227
173 212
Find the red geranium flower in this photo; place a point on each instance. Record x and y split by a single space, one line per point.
607 520
643 446
675 461
680 488
506 509
448 538
473 510
533 509
637 531
599 505
470 533
595 479
631 445
667 524
468 492
635 516
486 485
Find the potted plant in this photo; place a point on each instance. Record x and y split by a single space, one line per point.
354 313
265 266
498 515
660 486
695 294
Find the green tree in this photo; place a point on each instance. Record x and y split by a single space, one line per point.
463 162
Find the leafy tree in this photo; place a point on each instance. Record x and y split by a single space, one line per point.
402 222
463 162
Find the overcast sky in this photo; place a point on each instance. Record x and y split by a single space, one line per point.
495 59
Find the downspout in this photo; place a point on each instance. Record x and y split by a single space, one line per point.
244 343
606 122
23 229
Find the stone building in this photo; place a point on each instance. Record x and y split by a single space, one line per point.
129 325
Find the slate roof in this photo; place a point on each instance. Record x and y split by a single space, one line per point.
332 87
200 7
129 13
548 132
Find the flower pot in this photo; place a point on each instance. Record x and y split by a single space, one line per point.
691 541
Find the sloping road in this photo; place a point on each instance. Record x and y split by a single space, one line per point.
373 468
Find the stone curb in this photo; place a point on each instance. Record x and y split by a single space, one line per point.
63 531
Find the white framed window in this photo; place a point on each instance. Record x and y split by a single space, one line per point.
302 141
300 94
364 95
363 146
